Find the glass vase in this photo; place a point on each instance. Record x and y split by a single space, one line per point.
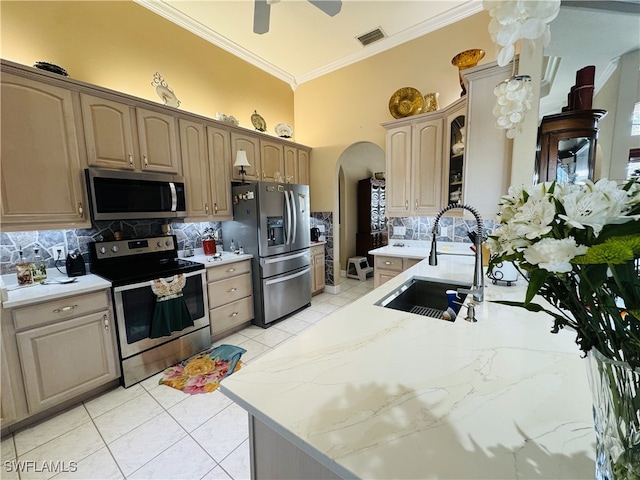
615 390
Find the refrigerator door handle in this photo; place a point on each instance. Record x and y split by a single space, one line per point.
288 277
288 208
295 216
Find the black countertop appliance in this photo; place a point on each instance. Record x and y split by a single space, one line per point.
315 234
75 264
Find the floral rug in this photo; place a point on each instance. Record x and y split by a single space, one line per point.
203 372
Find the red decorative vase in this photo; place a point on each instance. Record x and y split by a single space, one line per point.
209 247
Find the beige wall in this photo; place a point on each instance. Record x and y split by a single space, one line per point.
120 45
348 106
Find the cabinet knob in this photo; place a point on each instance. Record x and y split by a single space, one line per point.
264 175
231 269
131 160
231 290
387 263
416 203
234 314
406 204
206 208
80 209
146 162
215 207
65 309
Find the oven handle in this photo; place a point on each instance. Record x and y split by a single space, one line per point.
288 277
148 283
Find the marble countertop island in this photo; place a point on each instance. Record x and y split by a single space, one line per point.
375 393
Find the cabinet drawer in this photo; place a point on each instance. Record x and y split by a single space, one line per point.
228 316
229 290
389 263
56 310
228 270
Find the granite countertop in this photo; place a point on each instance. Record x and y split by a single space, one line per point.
372 392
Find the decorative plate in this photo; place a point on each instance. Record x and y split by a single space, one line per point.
258 122
283 130
164 91
50 67
405 102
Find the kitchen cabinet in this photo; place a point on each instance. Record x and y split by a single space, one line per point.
454 177
317 269
230 294
387 267
272 161
414 165
13 405
251 145
42 180
206 153
296 164
121 136
67 347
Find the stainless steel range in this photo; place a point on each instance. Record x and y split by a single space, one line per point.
151 287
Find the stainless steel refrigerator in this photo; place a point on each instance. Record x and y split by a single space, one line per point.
271 222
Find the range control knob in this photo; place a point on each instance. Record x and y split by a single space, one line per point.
159 243
103 250
115 248
168 243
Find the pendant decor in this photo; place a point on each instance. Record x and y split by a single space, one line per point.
615 389
513 101
512 20
464 60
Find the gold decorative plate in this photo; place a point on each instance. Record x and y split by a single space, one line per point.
406 102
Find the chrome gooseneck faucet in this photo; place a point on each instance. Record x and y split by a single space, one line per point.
477 288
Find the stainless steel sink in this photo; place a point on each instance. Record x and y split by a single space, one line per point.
424 296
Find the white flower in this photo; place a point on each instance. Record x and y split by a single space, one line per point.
554 255
506 240
535 218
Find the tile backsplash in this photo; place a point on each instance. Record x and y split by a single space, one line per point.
452 229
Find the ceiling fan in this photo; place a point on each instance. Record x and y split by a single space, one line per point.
262 11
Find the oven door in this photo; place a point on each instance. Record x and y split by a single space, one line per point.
135 305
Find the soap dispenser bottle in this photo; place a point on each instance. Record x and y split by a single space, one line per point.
232 246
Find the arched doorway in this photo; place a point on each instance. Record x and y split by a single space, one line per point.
359 160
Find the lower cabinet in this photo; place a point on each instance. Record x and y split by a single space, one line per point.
230 296
385 268
317 269
63 348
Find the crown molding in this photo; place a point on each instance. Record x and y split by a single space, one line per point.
167 11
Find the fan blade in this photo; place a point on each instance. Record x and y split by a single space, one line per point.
261 14
330 7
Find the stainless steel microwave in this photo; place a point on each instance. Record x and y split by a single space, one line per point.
121 195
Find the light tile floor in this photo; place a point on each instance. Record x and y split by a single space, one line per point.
151 431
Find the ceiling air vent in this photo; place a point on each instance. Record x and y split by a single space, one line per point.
372 36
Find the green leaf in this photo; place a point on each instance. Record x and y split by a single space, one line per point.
536 280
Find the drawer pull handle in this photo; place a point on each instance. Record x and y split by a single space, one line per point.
215 207
232 290
406 204
387 263
65 309
234 314
80 209
206 208
231 269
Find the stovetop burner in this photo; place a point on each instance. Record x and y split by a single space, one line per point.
136 260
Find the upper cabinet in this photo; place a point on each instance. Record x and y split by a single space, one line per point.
120 136
251 145
206 153
453 155
272 161
42 178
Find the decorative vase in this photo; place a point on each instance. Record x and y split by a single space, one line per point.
615 389
464 60
431 102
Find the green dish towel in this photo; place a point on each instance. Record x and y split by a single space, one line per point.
171 313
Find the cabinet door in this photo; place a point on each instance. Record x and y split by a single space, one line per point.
64 359
157 134
318 271
219 142
195 163
398 166
108 131
272 159
8 409
426 168
251 145
42 177
303 167
291 164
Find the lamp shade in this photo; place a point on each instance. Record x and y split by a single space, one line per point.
241 159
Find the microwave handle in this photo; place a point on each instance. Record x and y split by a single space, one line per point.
174 197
